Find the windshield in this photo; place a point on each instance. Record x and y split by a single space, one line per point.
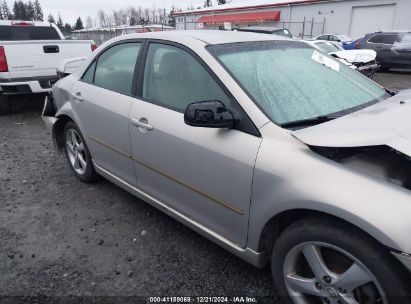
291 81
327 47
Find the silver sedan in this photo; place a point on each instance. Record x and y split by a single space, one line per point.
266 146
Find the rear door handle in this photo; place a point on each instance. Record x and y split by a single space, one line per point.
77 96
51 49
141 123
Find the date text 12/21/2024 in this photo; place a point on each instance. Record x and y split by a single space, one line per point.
203 299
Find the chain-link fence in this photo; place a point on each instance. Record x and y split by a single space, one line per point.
304 29
101 35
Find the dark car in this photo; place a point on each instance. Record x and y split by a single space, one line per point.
267 30
393 48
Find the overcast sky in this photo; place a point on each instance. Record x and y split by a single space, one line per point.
71 9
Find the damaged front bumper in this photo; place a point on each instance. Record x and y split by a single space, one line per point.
48 116
367 69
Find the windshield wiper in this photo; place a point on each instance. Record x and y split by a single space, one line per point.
309 121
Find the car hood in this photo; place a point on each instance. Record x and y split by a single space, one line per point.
385 123
356 56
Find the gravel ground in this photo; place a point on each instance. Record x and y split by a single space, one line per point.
60 237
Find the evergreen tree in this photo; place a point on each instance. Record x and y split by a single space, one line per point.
6 11
219 2
67 27
207 3
30 10
171 20
19 11
1 13
38 11
60 22
51 19
79 24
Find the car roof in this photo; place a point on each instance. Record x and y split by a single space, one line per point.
261 28
210 37
391 32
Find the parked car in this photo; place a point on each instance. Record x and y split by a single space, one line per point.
353 44
29 55
264 145
393 48
266 30
342 40
361 60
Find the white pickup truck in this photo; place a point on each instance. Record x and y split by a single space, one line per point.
30 52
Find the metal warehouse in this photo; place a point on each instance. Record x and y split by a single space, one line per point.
304 18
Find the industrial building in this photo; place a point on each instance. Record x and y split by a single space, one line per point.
304 18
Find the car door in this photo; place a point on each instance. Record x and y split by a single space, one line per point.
101 100
382 44
204 173
402 49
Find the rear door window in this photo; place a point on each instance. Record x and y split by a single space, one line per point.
334 38
18 32
383 38
115 67
323 37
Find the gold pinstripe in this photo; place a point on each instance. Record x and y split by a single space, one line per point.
220 202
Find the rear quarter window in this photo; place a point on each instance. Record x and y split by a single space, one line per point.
16 33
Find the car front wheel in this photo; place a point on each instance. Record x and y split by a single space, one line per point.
324 261
77 153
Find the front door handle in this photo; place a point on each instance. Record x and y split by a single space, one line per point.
77 96
142 123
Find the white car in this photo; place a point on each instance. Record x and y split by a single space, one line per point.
337 38
361 60
29 55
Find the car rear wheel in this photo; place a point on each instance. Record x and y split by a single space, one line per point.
322 261
77 153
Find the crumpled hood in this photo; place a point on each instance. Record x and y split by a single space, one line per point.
356 56
385 123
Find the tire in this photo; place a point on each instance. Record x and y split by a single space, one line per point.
77 153
339 247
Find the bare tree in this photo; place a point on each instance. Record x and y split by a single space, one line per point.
101 17
89 22
116 18
161 12
146 15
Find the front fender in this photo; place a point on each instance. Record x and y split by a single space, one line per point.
289 176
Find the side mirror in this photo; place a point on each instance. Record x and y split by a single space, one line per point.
208 114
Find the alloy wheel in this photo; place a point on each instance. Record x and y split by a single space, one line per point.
316 272
76 152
